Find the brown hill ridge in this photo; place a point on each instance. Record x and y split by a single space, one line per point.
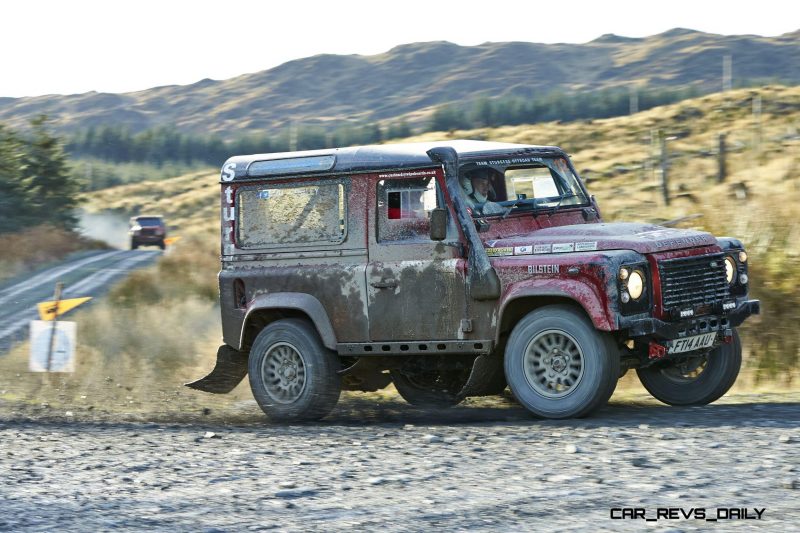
410 79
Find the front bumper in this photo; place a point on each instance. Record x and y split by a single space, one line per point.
659 329
150 238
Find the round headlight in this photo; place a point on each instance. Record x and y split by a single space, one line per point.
743 257
623 273
636 284
730 269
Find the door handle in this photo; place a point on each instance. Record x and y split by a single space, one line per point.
388 284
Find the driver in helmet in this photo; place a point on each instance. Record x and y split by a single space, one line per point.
478 189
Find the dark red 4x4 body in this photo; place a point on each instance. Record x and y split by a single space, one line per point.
349 268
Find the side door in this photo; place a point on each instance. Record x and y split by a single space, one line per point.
415 286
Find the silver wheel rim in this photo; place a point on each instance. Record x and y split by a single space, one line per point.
686 371
283 372
553 363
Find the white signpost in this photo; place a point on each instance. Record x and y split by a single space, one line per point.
52 346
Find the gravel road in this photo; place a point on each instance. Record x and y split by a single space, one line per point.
393 467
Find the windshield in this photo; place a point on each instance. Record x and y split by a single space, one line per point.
150 221
491 188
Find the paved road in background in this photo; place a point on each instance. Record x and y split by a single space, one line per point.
88 274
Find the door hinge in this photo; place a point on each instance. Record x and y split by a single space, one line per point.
466 325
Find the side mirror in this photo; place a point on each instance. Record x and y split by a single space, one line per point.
438 224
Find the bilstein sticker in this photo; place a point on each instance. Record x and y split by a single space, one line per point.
543 269
523 250
542 248
564 247
495 252
585 246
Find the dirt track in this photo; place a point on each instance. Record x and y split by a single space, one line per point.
388 466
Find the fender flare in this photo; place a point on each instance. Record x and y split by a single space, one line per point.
293 300
582 294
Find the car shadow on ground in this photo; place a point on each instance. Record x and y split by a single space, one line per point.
355 411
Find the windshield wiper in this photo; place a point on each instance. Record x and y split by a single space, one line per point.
515 204
552 209
561 199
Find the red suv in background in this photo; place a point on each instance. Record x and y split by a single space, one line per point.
147 230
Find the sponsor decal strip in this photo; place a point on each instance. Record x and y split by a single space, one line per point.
496 252
523 250
557 248
563 247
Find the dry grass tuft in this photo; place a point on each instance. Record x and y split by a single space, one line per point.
33 247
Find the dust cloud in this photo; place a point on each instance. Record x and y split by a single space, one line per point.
110 228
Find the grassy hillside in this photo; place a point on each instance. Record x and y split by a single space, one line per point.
756 203
410 80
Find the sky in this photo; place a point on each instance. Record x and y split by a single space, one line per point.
76 46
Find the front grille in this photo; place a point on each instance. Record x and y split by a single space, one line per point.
696 282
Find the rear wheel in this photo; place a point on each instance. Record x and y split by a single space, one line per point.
694 380
558 365
292 375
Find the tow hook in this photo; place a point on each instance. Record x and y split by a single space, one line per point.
727 336
656 351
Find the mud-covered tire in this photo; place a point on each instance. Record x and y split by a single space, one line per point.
668 385
162 245
420 396
281 353
585 360
134 244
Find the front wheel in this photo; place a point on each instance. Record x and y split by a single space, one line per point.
292 375
558 365
694 380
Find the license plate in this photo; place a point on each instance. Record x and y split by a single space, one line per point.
688 344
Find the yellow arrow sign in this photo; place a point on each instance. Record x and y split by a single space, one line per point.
47 310
169 241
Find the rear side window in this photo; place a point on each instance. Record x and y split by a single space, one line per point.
300 214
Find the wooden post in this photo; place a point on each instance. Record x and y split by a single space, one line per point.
727 73
664 166
722 171
56 299
293 136
757 125
633 100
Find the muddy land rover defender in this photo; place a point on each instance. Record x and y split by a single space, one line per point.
456 269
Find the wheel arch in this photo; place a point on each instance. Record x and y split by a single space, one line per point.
267 308
516 306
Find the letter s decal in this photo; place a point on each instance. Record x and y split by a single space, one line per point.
228 172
